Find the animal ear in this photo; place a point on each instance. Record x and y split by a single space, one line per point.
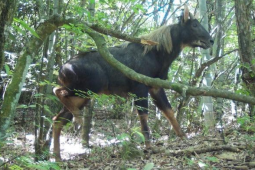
185 13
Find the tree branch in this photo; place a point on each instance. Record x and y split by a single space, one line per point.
119 35
156 82
167 12
192 151
206 64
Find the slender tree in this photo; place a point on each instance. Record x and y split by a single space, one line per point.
207 101
42 140
88 111
218 48
7 11
243 11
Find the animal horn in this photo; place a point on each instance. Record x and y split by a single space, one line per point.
185 13
191 16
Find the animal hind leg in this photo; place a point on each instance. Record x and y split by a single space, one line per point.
143 116
160 100
142 107
73 103
60 120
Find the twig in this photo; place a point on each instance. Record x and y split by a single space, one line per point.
194 151
12 159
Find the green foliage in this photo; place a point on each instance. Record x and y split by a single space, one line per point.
50 97
77 29
132 137
129 151
212 159
7 70
127 16
242 91
27 162
24 106
247 123
137 133
107 100
204 163
129 144
190 162
26 26
250 138
46 82
68 126
148 166
137 8
15 167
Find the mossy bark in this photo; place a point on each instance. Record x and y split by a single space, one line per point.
243 10
14 89
7 8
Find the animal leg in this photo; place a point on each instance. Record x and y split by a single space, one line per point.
142 107
145 128
73 103
60 120
160 100
72 107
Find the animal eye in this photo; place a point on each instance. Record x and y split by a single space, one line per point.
194 24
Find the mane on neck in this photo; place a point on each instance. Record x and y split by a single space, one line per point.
162 36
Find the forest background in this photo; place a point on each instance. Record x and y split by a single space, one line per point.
211 90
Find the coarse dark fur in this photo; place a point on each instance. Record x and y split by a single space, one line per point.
89 71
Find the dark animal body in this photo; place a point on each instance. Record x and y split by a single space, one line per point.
89 71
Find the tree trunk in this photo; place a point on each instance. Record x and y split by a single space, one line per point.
7 11
243 10
217 49
207 101
87 122
14 89
42 141
88 112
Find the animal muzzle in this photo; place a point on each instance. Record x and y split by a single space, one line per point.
202 43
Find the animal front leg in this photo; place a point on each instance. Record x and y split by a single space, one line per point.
160 100
169 114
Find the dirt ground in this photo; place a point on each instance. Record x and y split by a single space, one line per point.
110 148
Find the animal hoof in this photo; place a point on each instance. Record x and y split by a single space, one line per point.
182 135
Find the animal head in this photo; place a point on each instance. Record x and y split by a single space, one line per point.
193 34
189 31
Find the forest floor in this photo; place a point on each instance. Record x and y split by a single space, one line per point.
110 148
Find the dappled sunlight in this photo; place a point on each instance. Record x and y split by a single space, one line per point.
70 145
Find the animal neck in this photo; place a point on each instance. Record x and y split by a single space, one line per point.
169 45
176 39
